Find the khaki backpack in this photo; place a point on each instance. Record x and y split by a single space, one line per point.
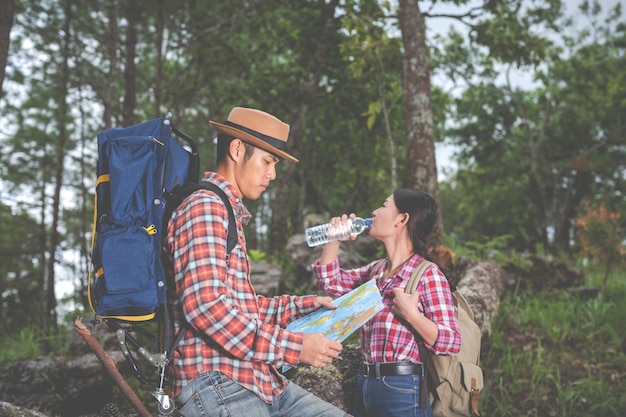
454 381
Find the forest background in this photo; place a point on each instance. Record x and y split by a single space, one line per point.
530 96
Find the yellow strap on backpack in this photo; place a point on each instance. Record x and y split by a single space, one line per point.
99 180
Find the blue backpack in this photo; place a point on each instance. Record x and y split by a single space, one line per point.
143 174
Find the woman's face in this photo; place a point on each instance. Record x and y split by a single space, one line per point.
384 219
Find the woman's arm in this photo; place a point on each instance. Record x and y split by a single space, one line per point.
330 252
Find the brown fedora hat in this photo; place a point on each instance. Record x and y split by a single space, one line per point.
257 128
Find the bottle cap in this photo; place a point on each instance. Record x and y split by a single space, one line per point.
368 222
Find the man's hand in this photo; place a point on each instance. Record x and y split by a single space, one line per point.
321 301
318 350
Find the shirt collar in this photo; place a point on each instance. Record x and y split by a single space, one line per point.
241 211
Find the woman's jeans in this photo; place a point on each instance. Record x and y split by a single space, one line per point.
214 394
389 396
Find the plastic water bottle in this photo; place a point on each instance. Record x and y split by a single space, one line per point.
324 233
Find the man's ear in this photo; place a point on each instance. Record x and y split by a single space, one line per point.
236 149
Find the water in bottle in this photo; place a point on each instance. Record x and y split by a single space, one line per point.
324 233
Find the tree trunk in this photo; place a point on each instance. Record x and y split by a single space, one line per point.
86 173
112 43
7 10
43 256
535 145
60 151
392 143
130 69
302 102
158 81
420 155
579 189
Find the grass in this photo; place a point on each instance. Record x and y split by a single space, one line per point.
556 354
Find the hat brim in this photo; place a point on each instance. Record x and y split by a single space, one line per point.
253 140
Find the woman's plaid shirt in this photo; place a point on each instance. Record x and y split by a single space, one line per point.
384 338
230 328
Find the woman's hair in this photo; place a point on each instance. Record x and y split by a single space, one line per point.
422 210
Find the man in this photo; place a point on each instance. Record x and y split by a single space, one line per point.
234 341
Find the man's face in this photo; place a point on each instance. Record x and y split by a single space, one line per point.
253 174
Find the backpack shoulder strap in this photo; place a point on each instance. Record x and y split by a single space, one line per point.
461 303
411 285
430 372
232 225
177 196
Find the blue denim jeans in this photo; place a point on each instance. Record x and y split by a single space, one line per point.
389 396
214 394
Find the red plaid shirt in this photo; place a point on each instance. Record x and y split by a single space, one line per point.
230 328
384 338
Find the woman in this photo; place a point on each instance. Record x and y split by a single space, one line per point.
390 378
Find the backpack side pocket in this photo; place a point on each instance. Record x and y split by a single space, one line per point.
125 280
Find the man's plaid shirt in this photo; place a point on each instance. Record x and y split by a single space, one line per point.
229 328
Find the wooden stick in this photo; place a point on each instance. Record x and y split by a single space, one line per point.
110 367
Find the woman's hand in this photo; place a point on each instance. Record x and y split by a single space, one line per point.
405 305
341 222
331 249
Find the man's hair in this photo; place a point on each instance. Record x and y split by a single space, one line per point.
223 143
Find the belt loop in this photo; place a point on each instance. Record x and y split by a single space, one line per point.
366 370
377 365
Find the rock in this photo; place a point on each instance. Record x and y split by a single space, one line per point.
333 383
10 410
63 385
265 277
101 332
542 273
483 286
351 255
326 383
585 292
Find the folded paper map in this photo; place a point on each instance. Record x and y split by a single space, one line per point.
353 310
